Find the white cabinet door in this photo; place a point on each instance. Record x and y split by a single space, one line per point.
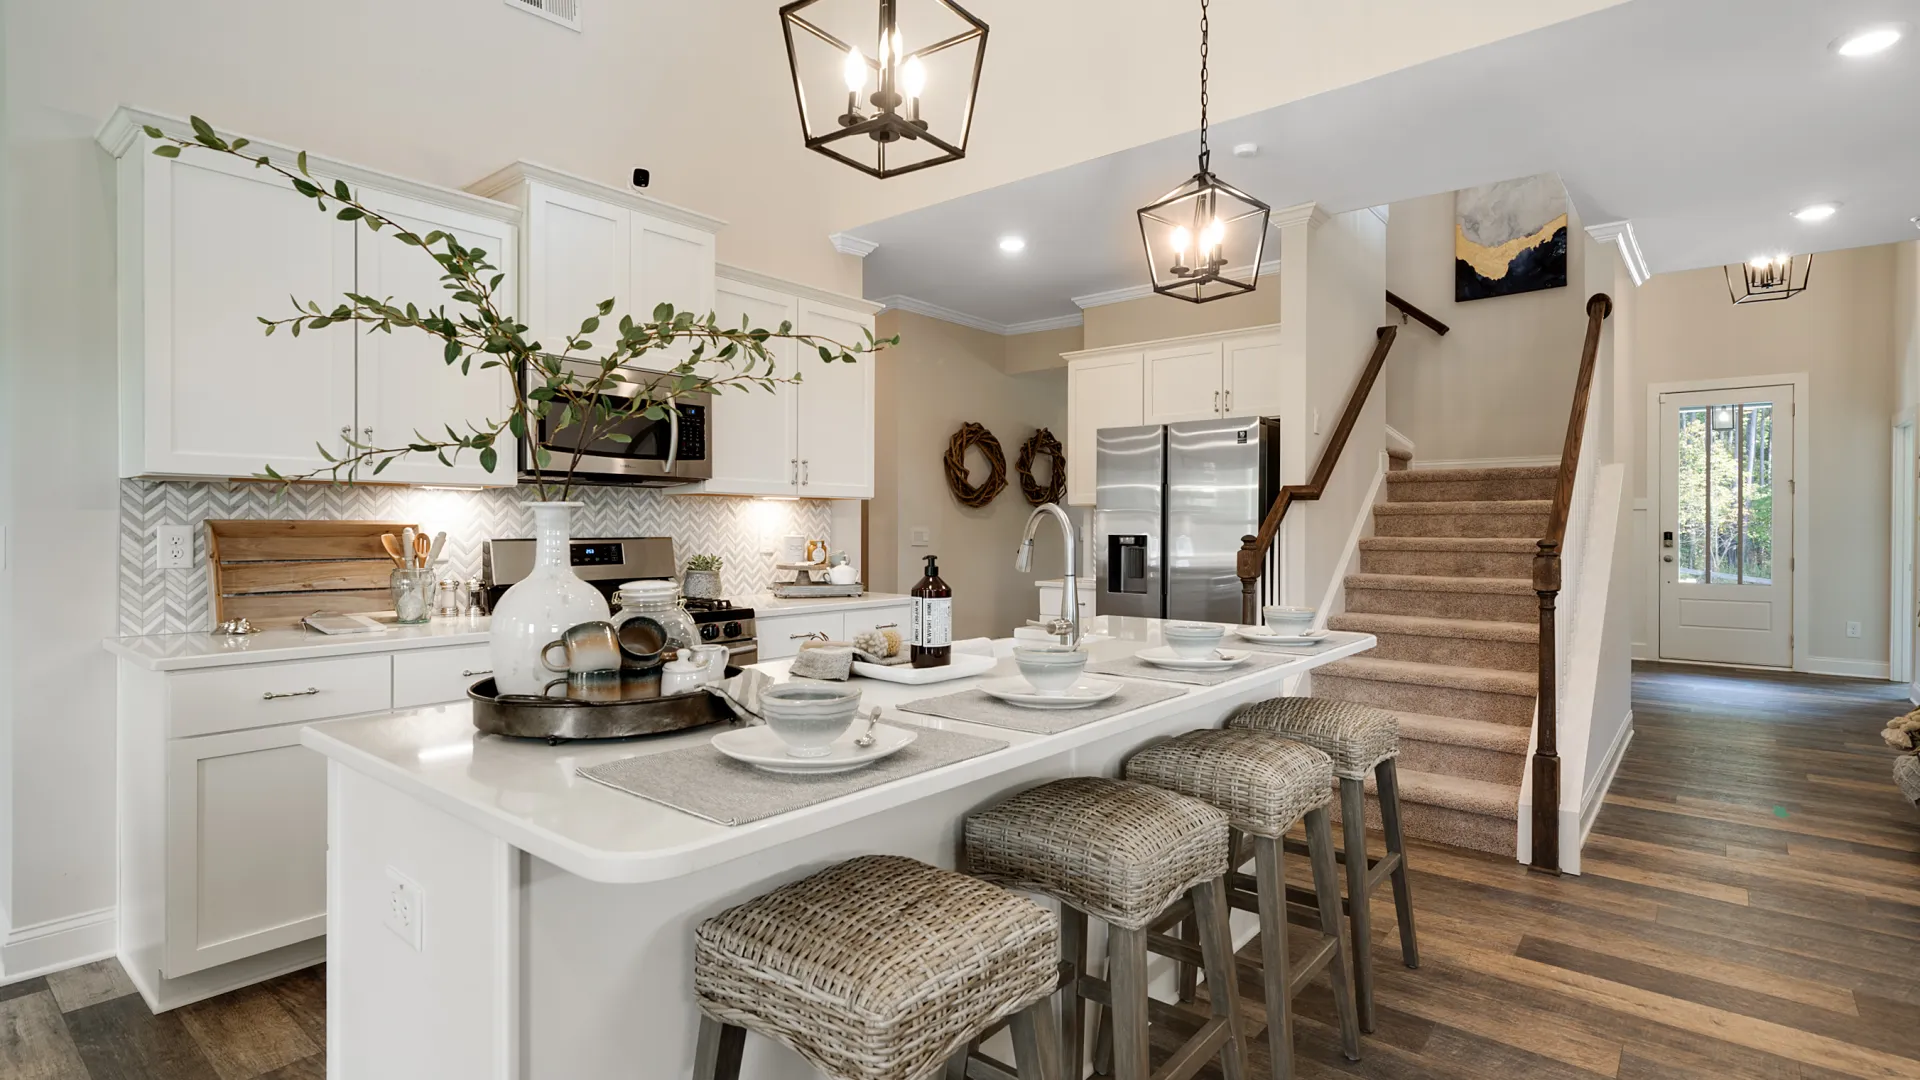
578 255
246 863
673 264
406 385
1183 383
862 619
835 407
437 676
1102 392
221 244
780 636
1253 377
753 437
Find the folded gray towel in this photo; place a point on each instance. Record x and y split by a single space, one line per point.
833 662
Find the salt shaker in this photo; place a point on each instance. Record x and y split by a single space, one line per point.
447 603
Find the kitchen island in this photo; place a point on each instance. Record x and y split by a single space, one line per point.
493 914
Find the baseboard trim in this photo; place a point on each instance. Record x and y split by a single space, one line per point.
56 945
1835 665
1484 463
1596 795
1645 650
1336 593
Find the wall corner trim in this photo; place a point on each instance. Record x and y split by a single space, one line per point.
1309 214
1620 235
849 244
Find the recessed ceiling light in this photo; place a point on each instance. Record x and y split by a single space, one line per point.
1867 42
1816 212
1013 245
1245 149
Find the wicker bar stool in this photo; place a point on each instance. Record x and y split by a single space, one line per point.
880 968
1359 739
1266 785
1123 852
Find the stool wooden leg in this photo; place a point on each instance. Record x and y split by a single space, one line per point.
1326 887
1189 975
1387 781
716 1054
1270 875
1353 822
1127 980
1223 983
1073 1008
1035 1041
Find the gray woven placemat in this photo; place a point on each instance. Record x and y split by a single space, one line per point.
1133 667
979 707
706 783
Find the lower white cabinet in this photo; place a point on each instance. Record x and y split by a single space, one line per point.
434 676
781 635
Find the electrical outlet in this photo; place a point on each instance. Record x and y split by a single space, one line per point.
406 908
920 536
1853 629
174 546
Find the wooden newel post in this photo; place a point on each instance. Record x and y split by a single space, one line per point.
1546 756
1247 565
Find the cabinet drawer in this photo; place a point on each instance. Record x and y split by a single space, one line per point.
437 676
781 636
259 695
861 620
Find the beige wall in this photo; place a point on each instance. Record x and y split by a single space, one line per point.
1041 350
1906 320
940 377
1152 318
1499 384
1840 332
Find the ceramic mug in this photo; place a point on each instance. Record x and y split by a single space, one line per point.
590 648
712 660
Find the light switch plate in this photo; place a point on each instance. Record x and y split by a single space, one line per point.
921 536
173 546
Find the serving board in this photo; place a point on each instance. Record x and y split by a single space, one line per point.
277 572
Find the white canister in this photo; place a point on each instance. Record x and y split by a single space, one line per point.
793 548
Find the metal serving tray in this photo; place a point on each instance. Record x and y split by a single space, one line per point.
639 710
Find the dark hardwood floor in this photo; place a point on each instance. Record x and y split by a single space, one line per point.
1750 909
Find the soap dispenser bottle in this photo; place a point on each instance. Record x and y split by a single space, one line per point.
932 619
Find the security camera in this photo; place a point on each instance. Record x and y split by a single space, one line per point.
641 178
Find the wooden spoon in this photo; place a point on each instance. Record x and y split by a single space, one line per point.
421 545
392 544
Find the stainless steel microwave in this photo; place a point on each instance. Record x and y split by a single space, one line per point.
641 458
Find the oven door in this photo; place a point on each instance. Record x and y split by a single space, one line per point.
635 449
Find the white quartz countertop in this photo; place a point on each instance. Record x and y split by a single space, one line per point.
771 606
529 794
177 652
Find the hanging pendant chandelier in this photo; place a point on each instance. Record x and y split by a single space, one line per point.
1204 239
890 98
1769 277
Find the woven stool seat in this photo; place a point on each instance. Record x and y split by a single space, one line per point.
880 968
1265 784
1116 849
1357 737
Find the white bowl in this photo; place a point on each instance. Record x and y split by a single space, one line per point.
1052 669
1289 620
808 717
1193 640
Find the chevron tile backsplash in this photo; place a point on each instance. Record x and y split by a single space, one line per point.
156 601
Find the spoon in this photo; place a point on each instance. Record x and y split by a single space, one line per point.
866 738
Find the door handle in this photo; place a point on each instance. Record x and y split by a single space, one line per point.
1666 558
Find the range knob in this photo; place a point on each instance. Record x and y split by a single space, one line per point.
709 632
733 629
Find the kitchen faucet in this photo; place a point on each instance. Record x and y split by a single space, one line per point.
1067 627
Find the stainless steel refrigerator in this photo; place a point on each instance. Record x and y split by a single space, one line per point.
1171 504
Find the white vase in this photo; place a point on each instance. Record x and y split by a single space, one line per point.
542 605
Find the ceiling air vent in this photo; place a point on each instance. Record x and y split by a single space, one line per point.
564 12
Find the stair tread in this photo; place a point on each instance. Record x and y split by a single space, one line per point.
1428 626
1456 476
1482 797
1412 672
1477 506
1454 731
1427 583
1504 545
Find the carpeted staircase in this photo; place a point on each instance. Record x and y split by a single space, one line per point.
1445 584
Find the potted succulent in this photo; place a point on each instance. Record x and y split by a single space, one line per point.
702 579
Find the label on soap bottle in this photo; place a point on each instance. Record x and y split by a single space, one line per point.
932 622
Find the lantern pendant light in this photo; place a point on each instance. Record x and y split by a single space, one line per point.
1204 239
1770 277
904 108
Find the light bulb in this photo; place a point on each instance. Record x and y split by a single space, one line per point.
855 71
1215 232
1180 238
913 77
1760 262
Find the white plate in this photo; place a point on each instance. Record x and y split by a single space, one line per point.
961 666
1018 691
1269 636
760 747
1165 657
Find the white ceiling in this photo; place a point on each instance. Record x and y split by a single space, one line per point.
1703 122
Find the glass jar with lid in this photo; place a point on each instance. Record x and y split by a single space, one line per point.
659 601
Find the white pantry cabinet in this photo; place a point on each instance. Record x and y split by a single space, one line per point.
209 244
812 439
1103 391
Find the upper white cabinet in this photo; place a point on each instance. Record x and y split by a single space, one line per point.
1250 373
814 438
1183 382
1103 391
586 243
209 244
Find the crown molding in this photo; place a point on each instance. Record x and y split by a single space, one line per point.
745 276
502 181
1135 292
961 318
1620 235
1309 214
849 244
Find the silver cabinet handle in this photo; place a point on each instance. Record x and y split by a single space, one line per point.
368 432
1216 401
888 626
308 692
817 635
468 674
793 471
803 472
1228 407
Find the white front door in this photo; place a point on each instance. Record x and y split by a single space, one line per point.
1726 526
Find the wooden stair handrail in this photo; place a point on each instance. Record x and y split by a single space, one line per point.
1253 549
1545 856
1411 311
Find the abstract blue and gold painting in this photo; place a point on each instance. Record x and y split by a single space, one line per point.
1510 237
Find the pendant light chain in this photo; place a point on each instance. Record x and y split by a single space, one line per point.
1206 155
